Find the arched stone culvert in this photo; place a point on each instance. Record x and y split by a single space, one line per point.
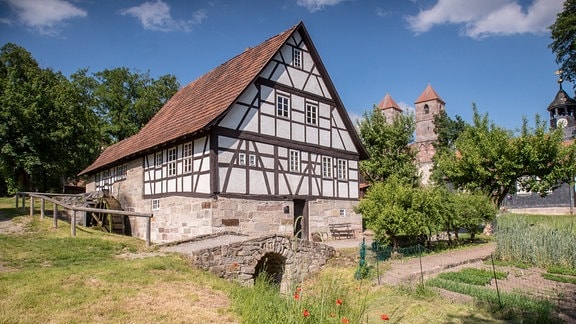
273 264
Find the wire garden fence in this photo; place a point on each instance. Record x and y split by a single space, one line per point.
475 275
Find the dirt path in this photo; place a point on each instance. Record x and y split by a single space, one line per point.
410 270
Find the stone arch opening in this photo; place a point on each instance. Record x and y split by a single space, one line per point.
273 265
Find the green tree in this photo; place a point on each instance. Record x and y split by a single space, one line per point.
387 210
490 159
472 210
124 100
45 129
563 33
448 130
388 144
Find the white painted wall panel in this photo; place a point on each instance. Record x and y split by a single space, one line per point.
225 156
203 183
199 146
266 108
328 188
267 72
298 116
257 183
251 122
281 76
171 185
324 123
337 119
354 192
228 142
352 174
343 190
307 63
298 132
311 135
325 90
187 183
205 164
313 86
265 148
283 128
325 137
267 125
336 140
299 78
233 117
348 144
237 182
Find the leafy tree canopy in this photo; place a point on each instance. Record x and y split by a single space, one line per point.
46 130
563 33
490 159
388 144
125 101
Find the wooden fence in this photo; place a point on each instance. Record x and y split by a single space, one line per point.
48 197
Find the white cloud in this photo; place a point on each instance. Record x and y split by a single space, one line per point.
156 16
316 5
46 16
488 17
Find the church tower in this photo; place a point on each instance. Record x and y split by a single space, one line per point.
562 112
428 105
389 108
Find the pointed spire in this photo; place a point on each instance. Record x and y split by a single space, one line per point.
388 103
428 95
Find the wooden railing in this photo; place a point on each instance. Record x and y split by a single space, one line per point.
47 197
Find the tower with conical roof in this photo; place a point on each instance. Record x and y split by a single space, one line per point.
389 108
428 105
562 112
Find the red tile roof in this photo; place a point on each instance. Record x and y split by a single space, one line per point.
428 94
388 103
197 105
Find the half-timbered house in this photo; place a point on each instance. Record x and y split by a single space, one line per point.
262 144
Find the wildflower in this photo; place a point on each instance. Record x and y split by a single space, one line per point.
345 320
384 317
306 313
338 302
296 296
298 289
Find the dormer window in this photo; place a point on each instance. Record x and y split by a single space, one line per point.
297 57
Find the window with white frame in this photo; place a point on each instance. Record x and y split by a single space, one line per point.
172 155
326 167
252 160
311 114
187 157
294 161
158 159
241 158
297 57
342 169
155 204
282 105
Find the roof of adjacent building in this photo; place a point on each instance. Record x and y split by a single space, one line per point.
428 94
388 103
200 104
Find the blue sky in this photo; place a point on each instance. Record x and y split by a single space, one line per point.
492 52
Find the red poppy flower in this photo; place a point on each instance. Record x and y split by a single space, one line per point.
338 302
296 296
384 317
298 289
306 313
345 320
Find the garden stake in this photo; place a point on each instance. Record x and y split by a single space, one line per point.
496 281
421 272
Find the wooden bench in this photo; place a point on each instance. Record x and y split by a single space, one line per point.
341 230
